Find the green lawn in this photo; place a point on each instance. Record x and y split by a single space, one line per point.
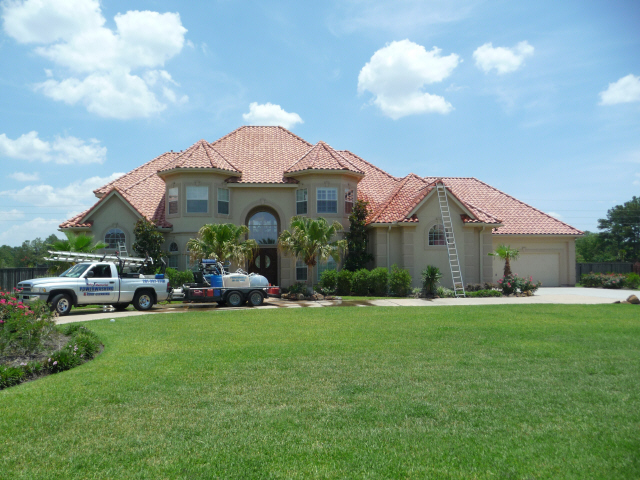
536 391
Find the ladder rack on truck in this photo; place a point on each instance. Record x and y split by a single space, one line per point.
74 257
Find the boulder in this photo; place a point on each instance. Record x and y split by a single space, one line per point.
633 299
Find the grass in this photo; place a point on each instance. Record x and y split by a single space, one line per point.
536 391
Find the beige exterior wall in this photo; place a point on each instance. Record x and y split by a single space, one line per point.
114 213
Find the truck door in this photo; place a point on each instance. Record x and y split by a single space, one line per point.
101 287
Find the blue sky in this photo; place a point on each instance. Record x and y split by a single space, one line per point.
539 99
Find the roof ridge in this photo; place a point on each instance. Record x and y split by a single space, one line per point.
131 171
301 158
525 204
388 200
209 145
371 165
150 175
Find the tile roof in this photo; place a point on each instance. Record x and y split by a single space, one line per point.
253 154
323 157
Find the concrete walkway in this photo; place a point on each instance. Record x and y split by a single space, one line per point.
559 295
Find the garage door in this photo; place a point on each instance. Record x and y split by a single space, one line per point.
544 267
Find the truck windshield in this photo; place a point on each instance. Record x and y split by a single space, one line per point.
76 270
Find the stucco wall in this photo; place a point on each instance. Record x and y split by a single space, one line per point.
114 213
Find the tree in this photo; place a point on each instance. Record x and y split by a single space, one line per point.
357 238
506 253
223 241
621 230
80 243
591 248
148 241
311 241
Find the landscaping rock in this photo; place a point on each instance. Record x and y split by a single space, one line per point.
633 299
300 296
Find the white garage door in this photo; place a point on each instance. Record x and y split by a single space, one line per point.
543 267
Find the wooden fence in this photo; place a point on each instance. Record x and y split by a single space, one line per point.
603 267
9 277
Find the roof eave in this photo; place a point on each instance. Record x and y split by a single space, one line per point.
222 171
316 171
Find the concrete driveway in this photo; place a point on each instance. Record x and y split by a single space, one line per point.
556 295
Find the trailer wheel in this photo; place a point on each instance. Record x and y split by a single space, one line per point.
235 299
62 304
256 298
143 301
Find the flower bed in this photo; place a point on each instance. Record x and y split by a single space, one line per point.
609 280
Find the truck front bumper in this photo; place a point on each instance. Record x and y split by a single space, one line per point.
32 297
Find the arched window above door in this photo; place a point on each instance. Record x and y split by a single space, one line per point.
263 228
436 235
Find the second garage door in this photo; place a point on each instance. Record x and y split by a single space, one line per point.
543 267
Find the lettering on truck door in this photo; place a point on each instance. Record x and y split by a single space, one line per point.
101 288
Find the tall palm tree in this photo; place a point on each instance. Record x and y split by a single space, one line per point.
223 241
506 253
311 241
80 243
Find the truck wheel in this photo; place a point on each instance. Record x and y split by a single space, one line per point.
120 306
62 304
143 301
235 299
255 299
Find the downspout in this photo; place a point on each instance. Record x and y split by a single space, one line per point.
481 257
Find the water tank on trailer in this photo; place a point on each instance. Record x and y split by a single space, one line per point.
236 280
258 281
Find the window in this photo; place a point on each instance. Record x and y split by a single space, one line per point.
301 271
113 237
327 200
328 264
173 200
197 199
101 271
436 235
263 228
223 201
301 202
173 255
348 201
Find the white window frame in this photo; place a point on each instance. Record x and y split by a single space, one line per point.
223 201
191 192
302 202
175 201
323 194
328 264
114 231
349 200
441 234
299 269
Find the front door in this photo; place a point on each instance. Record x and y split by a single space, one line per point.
265 263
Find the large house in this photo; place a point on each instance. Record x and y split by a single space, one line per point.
263 176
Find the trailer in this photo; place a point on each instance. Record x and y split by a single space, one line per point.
214 284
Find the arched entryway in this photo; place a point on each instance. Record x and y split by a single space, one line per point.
263 226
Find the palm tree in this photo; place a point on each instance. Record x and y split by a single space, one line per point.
310 241
223 241
80 243
506 253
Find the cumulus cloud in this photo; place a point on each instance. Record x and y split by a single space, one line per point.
13 235
397 73
625 90
25 177
502 59
101 60
270 115
63 150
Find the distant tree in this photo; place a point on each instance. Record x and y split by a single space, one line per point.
506 253
591 248
621 230
148 241
357 238
223 241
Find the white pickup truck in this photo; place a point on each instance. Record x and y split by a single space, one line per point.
96 283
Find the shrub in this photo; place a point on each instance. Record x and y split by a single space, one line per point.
23 327
177 278
430 278
399 281
361 282
605 280
510 284
527 285
379 281
474 287
485 293
443 292
632 281
343 285
329 282
298 288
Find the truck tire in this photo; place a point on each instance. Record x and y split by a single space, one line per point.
120 306
143 300
61 304
256 298
235 299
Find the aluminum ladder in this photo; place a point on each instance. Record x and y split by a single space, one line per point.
452 250
122 249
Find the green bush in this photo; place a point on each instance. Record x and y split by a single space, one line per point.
343 285
361 282
329 282
430 278
485 293
379 282
443 292
177 278
632 281
298 288
604 280
399 281
515 284
23 327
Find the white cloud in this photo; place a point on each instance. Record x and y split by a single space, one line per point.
625 90
75 38
397 73
63 150
40 227
25 177
555 215
270 115
637 182
8 215
502 59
